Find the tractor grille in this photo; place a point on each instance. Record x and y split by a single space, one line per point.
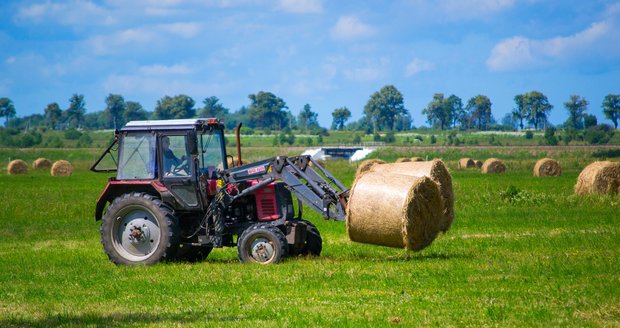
267 207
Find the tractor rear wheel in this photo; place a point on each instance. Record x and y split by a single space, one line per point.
313 244
138 228
262 243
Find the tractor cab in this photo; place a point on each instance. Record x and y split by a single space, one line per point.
183 156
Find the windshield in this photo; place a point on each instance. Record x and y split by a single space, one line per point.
136 157
211 152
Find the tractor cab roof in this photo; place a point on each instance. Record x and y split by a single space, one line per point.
182 124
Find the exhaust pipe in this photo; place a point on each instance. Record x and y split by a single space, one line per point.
238 134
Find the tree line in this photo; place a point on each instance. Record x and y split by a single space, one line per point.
384 111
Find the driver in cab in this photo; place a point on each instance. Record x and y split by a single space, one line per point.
171 160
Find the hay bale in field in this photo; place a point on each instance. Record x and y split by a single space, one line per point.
17 167
41 163
403 160
231 161
493 165
466 163
394 210
547 167
366 165
599 177
438 172
62 168
417 159
478 163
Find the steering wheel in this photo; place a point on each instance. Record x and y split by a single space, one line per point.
183 166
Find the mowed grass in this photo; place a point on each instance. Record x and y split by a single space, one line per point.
543 258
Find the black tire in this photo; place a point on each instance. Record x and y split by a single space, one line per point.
138 228
189 253
314 243
262 243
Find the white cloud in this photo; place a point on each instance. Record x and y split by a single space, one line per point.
158 86
151 36
350 27
371 71
600 40
70 13
177 69
459 10
301 6
417 65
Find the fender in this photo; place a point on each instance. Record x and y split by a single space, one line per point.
115 188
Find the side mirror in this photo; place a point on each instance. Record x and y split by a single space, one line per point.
192 143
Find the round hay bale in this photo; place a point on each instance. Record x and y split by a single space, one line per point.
417 159
493 165
403 160
17 167
438 172
478 163
599 177
230 162
62 168
366 165
394 210
466 163
547 167
41 163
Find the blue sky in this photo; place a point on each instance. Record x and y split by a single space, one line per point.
328 54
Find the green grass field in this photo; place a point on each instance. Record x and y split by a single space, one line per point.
540 256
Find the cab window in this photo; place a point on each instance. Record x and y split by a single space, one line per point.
136 157
174 156
211 152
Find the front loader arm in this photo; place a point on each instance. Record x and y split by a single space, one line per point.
310 187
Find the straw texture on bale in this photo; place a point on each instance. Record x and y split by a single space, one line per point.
417 159
437 171
404 211
62 168
366 165
17 167
465 163
403 160
478 163
599 177
547 167
42 163
493 165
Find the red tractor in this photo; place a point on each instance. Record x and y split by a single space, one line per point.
175 198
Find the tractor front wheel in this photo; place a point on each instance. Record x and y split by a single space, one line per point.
138 228
262 243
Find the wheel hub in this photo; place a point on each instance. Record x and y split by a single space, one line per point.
262 250
138 232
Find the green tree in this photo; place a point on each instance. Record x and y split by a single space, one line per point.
455 106
538 107
134 112
267 111
384 108
177 107
213 108
576 108
7 109
53 115
520 111
75 113
114 110
589 121
340 117
611 108
479 108
307 119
